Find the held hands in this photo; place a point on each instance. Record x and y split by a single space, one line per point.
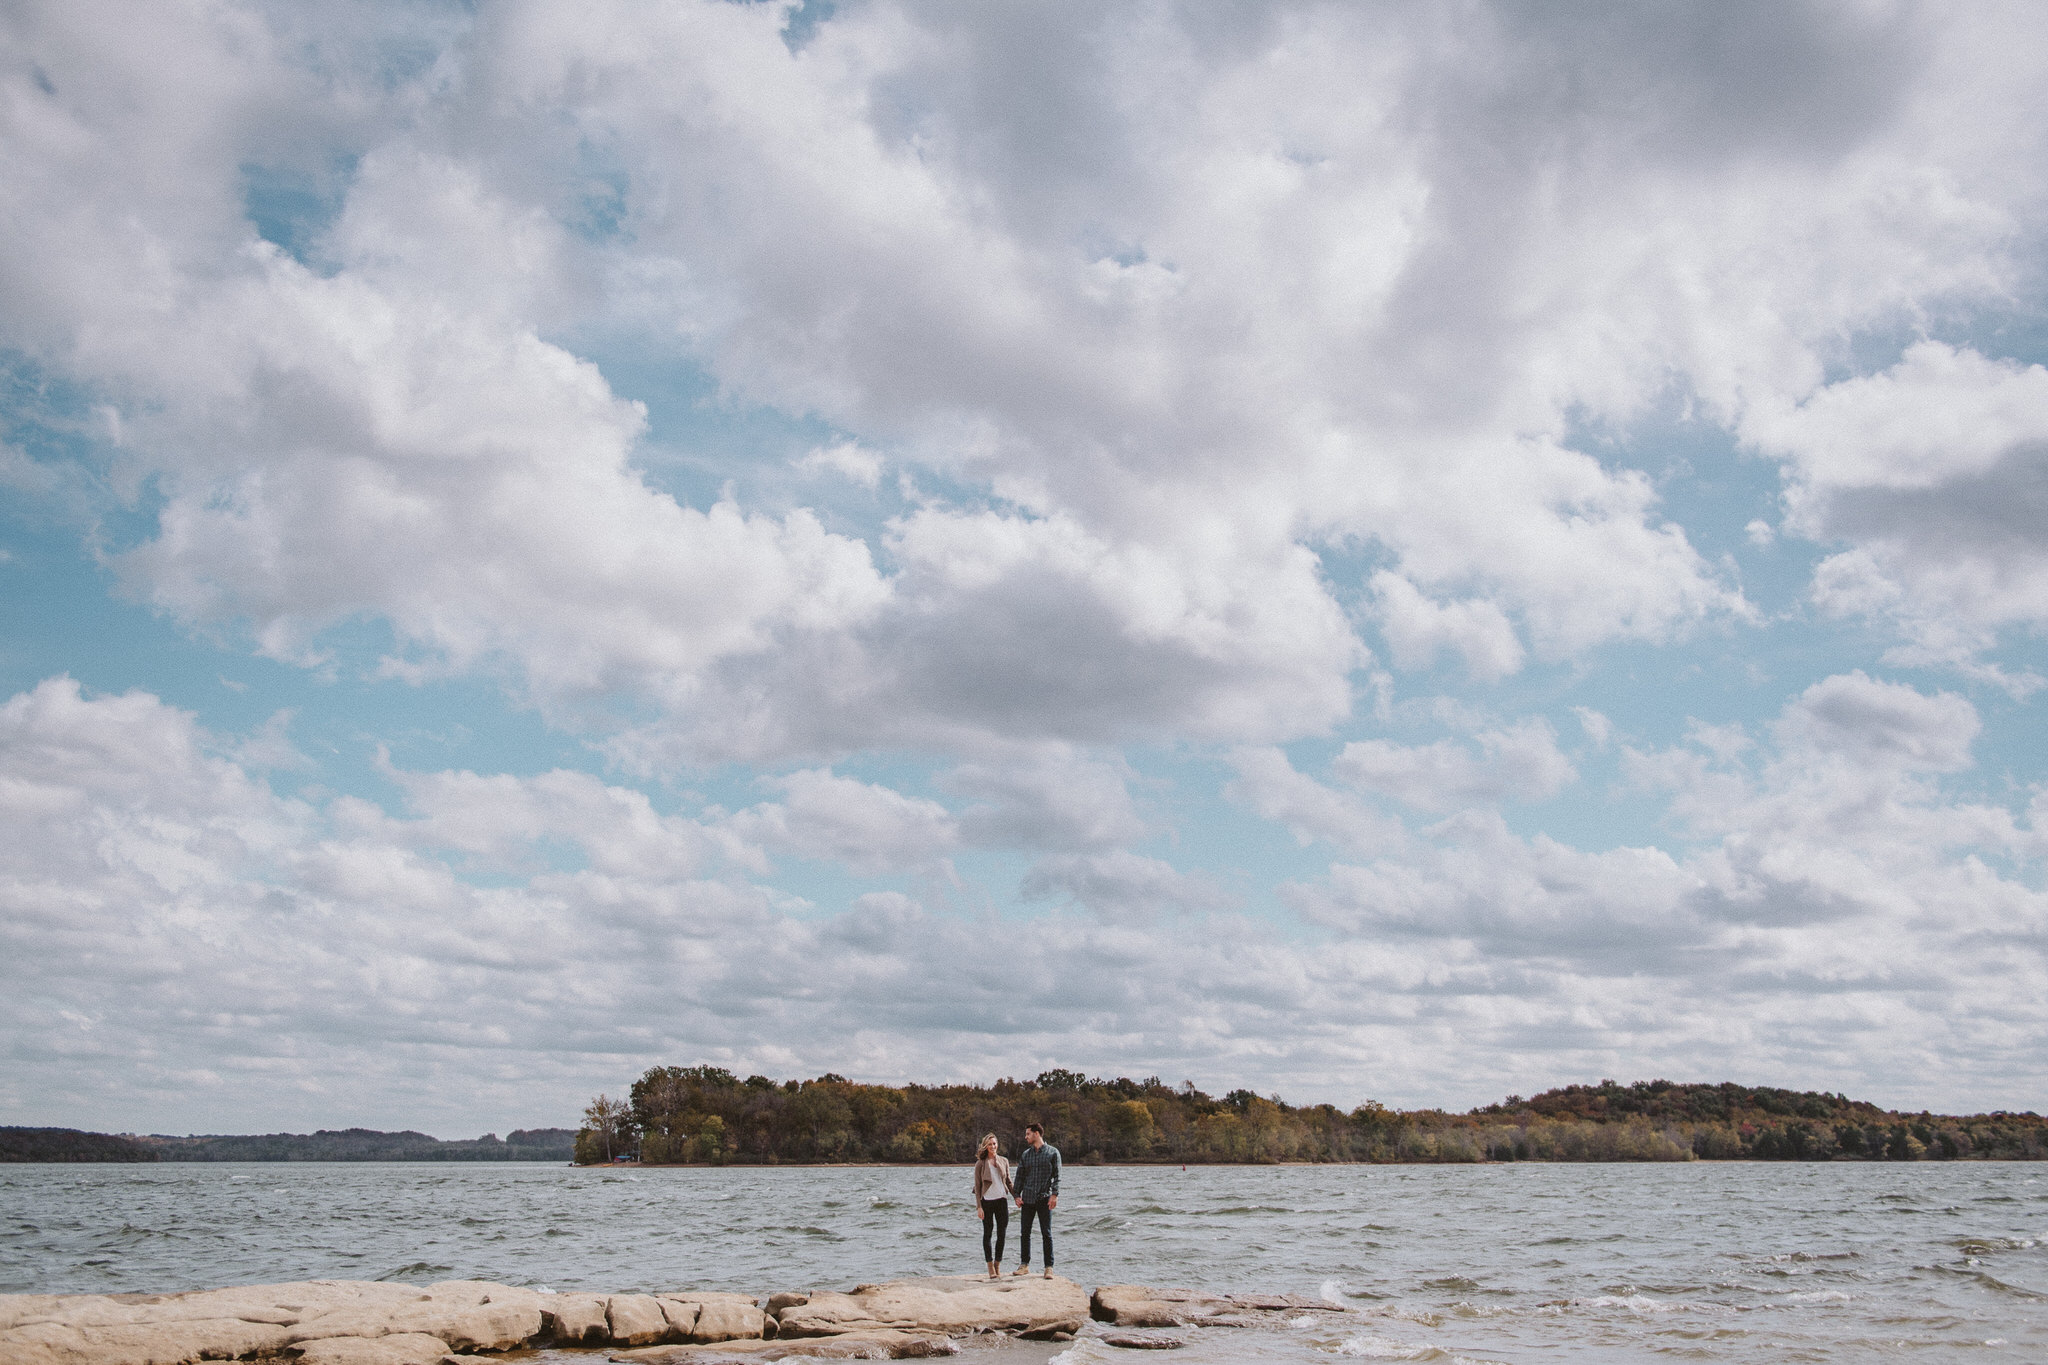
1053 1202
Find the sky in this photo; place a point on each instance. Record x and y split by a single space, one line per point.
1412 552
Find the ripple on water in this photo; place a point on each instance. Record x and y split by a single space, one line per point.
1597 1264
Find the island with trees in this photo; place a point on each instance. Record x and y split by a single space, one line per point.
705 1114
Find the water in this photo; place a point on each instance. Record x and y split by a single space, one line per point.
1712 1262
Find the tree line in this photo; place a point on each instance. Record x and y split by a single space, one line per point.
347 1144
368 1144
70 1144
706 1114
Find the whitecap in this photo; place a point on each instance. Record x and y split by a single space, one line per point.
1382 1348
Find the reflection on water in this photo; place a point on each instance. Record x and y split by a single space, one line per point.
1715 1262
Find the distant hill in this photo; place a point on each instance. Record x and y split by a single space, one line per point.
368 1144
69 1144
348 1144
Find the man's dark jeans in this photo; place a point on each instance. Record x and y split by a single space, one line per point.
1042 1210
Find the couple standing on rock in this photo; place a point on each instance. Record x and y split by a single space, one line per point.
1035 1187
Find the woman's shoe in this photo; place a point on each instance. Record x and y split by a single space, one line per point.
1048 1272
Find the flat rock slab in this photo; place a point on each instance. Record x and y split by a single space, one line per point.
882 1344
406 1348
1130 1342
324 1322
949 1304
1135 1305
351 1322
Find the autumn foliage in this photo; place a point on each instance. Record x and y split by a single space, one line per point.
705 1114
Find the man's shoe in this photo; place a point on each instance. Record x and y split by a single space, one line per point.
1024 1269
1048 1272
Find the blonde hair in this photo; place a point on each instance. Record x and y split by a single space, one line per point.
988 1142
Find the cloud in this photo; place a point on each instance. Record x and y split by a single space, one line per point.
867 827
846 459
1877 724
1269 784
1173 403
1418 629
1529 904
1519 762
1049 797
1935 472
205 940
1121 886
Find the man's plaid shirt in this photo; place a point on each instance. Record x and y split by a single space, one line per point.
1038 1173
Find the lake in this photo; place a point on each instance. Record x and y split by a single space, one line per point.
1706 1261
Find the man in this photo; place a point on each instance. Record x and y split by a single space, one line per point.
1038 1193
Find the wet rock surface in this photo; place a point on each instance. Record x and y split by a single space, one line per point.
953 1305
1133 1305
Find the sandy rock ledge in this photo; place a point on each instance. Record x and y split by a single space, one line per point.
347 1322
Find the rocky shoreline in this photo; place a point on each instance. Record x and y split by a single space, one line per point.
353 1322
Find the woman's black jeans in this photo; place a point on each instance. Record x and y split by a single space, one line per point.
1043 1210
995 1221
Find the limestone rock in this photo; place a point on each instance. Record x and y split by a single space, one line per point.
575 1319
635 1319
681 1315
705 1316
1130 1342
266 1320
1131 1305
175 1342
16 1309
729 1322
469 1315
874 1344
955 1305
404 1348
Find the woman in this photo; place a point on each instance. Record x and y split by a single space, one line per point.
992 1191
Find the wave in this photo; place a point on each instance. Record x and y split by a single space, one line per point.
1989 1281
416 1268
1239 1209
1798 1256
1639 1304
1818 1296
1386 1348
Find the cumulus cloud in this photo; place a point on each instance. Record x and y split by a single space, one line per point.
1269 784
1121 885
1516 762
1047 797
1418 628
204 941
868 827
1179 399
1933 472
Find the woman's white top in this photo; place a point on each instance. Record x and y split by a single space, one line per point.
999 1179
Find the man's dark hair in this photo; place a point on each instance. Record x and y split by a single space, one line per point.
1034 1128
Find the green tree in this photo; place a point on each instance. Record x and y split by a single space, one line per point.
1130 1125
711 1140
610 1123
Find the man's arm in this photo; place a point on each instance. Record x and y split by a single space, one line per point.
1052 1194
